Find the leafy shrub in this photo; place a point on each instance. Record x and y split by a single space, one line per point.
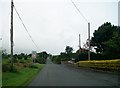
7 68
81 57
40 60
33 66
56 59
19 57
93 56
15 60
22 61
25 57
25 65
14 69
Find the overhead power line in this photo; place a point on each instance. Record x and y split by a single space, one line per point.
25 27
79 11
88 28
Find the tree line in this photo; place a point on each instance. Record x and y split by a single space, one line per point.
105 42
41 57
105 45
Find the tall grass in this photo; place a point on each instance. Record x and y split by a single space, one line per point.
21 78
109 65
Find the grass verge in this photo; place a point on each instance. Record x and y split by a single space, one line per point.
106 65
21 78
0 75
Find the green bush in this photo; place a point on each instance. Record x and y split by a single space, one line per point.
22 61
56 59
7 68
81 57
5 56
33 66
19 57
93 56
40 60
15 60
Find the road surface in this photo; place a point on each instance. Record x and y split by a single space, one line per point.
61 75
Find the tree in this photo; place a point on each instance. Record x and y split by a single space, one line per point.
107 41
68 49
42 56
22 55
104 33
62 54
29 55
25 57
112 48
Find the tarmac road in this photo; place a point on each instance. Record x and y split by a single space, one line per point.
61 75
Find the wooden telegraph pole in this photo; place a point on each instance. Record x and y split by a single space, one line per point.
11 34
89 41
79 44
88 29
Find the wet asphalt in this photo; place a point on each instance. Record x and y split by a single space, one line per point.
62 75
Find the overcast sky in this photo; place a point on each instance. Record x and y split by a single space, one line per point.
53 24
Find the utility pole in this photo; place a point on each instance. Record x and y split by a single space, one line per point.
119 13
79 44
88 41
88 28
11 34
